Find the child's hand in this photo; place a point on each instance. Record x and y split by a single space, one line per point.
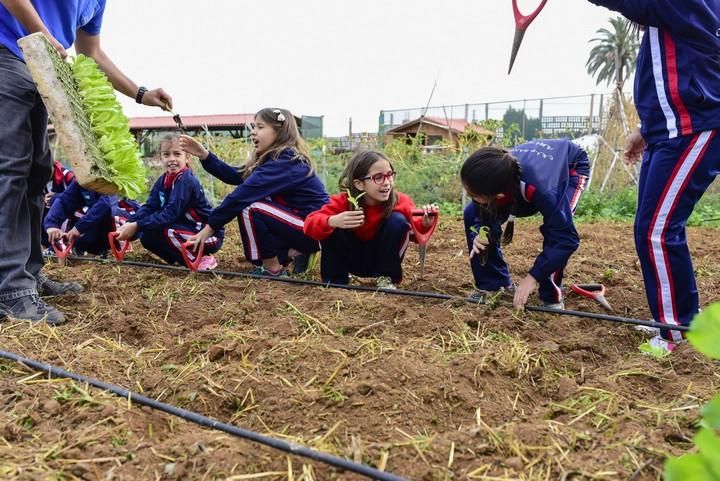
199 239
193 147
350 219
127 231
523 290
480 244
429 209
634 147
54 234
72 234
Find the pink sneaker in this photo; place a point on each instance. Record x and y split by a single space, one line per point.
207 263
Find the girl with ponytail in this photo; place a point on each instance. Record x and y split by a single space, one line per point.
545 176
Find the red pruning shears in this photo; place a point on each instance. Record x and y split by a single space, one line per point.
192 264
595 292
118 247
522 22
423 238
62 248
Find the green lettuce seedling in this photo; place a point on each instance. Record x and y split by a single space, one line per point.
354 201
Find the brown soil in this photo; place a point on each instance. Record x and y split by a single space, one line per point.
427 389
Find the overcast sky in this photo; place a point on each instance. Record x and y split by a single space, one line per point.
346 58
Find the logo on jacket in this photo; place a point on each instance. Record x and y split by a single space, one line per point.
86 197
162 199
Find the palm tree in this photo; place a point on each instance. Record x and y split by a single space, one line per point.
613 58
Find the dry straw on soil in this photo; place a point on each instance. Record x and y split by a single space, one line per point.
426 389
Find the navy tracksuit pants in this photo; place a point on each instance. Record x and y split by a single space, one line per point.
167 243
270 229
494 275
343 253
675 173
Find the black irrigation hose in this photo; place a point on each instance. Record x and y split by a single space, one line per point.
205 421
396 292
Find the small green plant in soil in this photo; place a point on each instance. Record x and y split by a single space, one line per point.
654 351
703 465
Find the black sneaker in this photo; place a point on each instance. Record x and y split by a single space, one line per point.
48 288
31 308
300 263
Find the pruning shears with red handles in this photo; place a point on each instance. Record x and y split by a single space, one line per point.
63 247
422 238
522 22
118 247
193 265
595 292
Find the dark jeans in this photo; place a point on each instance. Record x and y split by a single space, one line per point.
25 168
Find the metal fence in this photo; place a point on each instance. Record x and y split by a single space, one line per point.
549 117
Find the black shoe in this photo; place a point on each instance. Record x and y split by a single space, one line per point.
300 263
31 308
47 287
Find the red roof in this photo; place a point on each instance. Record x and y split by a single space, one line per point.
456 125
191 121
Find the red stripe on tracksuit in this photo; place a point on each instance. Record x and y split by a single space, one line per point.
672 77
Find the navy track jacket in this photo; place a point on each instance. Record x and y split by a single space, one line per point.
100 208
183 201
545 167
677 83
283 179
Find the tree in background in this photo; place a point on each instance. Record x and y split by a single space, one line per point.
613 58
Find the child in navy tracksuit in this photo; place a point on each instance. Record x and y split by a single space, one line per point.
86 216
368 240
175 210
276 190
61 178
677 94
545 176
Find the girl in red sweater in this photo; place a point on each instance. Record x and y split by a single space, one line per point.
370 239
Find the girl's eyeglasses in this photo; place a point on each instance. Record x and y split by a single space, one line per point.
379 179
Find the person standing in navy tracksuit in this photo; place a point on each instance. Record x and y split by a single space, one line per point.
275 191
545 176
175 210
677 95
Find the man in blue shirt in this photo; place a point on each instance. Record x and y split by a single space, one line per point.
25 160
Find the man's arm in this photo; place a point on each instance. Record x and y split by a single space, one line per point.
90 45
26 14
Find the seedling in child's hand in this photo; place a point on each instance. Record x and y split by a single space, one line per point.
483 254
354 201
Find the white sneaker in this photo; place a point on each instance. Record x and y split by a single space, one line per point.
384 282
560 306
649 331
661 346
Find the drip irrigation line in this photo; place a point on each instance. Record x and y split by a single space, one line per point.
291 448
395 292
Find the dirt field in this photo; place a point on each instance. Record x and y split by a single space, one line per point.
429 390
